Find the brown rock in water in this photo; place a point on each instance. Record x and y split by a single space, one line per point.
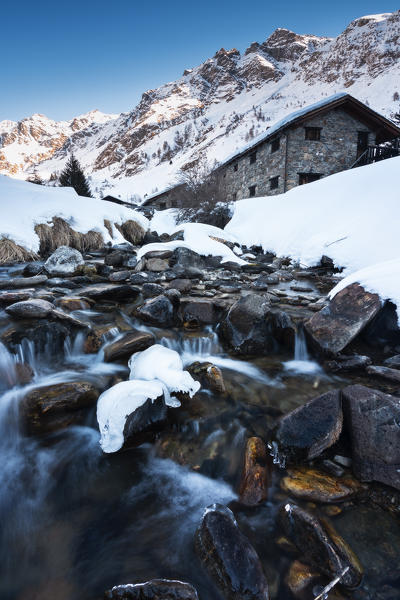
256 473
124 347
336 325
229 557
307 431
317 486
7 298
156 589
300 579
209 376
373 419
71 303
54 407
320 545
24 373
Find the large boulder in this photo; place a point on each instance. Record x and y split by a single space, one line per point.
372 420
252 327
125 346
64 261
49 408
157 311
320 545
201 312
156 589
186 258
307 431
340 322
229 557
41 309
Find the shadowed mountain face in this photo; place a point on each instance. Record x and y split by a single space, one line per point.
213 109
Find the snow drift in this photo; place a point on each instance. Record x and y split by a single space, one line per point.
24 205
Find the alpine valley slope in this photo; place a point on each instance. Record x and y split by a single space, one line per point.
214 109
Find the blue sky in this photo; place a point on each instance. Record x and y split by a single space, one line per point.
64 59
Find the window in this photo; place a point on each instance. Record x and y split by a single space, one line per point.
235 167
162 205
234 196
274 183
252 191
308 177
313 133
253 158
362 142
275 144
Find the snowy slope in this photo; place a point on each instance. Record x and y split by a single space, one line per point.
220 106
23 205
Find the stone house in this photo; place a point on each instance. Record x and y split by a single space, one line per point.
314 142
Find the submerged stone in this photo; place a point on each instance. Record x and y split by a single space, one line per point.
317 486
229 557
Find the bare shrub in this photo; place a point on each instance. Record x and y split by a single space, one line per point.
59 233
109 227
132 231
10 252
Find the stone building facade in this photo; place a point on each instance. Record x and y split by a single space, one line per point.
315 142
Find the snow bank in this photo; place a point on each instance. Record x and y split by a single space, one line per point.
23 205
117 403
197 238
164 365
155 372
353 217
164 221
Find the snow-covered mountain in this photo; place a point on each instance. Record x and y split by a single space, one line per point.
213 109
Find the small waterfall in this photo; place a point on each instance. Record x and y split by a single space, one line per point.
301 363
8 376
300 345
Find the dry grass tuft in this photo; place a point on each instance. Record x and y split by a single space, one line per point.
109 227
61 234
10 252
132 231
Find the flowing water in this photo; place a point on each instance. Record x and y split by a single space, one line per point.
75 522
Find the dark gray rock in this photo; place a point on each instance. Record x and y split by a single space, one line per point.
156 589
335 326
373 423
22 282
186 258
150 290
114 259
229 557
119 276
320 545
125 346
32 269
202 312
157 311
183 285
384 373
393 362
110 291
7 298
344 363
252 327
307 431
144 422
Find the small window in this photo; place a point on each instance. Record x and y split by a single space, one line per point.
235 167
313 133
275 144
252 191
308 177
162 205
253 158
234 196
274 183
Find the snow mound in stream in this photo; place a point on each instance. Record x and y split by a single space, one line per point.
155 372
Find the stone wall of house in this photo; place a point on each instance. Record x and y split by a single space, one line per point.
335 151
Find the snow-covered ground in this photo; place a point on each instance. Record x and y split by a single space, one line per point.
23 205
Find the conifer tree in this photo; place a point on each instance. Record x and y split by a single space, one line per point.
73 176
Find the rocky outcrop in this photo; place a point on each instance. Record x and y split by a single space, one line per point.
348 313
229 557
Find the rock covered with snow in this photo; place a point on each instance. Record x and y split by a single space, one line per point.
64 261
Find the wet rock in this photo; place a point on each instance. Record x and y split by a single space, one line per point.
156 265
373 419
49 408
157 311
384 373
114 259
144 422
140 278
119 276
159 254
24 373
317 486
156 589
300 580
393 362
229 557
181 272
183 285
186 258
40 309
32 269
22 282
256 475
61 283
150 290
71 303
343 364
174 296
320 545
307 431
64 261
48 337
262 282
336 325
109 291
384 329
7 298
252 327
209 376
203 312
124 347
